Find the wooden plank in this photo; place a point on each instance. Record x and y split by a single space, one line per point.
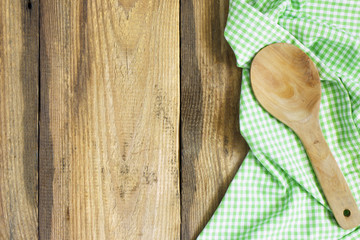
18 119
109 132
212 148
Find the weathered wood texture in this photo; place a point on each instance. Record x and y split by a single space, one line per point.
212 148
109 135
109 118
19 51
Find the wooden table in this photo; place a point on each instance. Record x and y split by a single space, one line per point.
118 118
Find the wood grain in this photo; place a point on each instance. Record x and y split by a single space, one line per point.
212 148
109 137
287 84
18 119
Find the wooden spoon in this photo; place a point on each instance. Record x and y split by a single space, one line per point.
287 84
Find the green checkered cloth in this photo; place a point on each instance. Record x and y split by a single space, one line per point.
275 194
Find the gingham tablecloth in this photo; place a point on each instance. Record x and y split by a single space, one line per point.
275 194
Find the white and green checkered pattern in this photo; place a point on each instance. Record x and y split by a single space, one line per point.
275 194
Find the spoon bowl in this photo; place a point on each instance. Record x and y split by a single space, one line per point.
286 83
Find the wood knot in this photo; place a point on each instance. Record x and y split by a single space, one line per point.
29 5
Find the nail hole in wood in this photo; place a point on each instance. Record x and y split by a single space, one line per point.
29 5
347 213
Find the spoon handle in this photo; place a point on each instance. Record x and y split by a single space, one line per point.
330 177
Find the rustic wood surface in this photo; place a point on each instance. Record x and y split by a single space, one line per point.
109 135
212 148
138 132
19 52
